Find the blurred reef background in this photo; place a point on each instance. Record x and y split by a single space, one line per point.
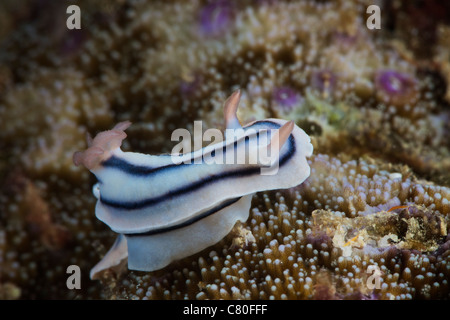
375 103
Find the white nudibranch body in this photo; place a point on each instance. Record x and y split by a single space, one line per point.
165 210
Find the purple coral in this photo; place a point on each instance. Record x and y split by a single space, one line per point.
286 98
216 17
395 87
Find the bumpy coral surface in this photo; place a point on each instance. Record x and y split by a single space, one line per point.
310 243
371 222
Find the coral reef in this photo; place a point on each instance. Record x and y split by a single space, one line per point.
294 245
375 102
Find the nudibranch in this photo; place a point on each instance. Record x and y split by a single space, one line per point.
165 210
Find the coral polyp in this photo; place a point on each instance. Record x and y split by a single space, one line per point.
286 98
216 17
324 82
396 88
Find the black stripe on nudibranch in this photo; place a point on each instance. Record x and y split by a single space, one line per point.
129 168
189 222
139 170
247 171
